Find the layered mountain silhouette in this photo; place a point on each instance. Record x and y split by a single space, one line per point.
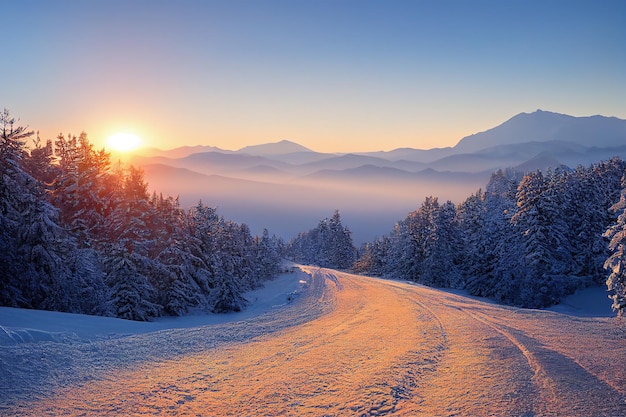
287 187
544 126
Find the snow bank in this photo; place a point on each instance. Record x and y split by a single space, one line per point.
587 302
42 351
27 326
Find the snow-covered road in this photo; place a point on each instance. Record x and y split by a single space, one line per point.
349 345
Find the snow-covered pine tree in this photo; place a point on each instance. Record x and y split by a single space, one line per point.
413 240
441 265
180 260
586 216
225 293
542 237
82 188
267 255
46 270
471 220
320 243
40 165
126 248
616 263
33 240
374 257
328 245
132 295
426 246
11 152
10 294
402 258
341 250
495 274
224 247
606 178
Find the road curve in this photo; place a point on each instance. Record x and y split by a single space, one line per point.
384 348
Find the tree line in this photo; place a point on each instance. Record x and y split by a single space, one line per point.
328 245
78 234
527 240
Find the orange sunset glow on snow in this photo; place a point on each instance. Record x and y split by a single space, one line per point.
313 208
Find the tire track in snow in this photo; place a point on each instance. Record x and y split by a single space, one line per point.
419 367
354 346
558 384
444 334
530 358
470 379
617 385
411 368
561 379
39 370
366 357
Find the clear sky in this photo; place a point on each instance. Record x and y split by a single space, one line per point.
332 75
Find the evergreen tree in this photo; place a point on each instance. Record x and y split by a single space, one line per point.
83 188
267 256
616 263
42 265
533 224
441 264
327 245
132 295
40 165
413 242
338 243
11 175
403 262
503 260
225 247
586 216
374 257
179 256
77 236
471 217
126 248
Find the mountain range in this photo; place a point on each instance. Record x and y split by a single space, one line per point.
287 188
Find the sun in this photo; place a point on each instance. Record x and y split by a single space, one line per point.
124 142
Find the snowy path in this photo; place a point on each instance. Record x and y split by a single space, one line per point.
349 346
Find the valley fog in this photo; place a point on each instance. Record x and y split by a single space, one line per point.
286 188
369 207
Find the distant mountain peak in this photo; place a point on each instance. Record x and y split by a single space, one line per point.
275 148
546 126
179 152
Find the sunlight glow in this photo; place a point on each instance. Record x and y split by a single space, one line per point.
124 142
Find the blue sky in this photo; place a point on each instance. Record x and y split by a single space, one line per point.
331 75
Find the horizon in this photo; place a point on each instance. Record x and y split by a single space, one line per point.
370 151
332 76
395 257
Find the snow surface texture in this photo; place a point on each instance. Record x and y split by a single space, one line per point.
42 352
347 345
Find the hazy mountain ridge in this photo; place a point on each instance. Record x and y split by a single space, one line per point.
544 126
180 152
512 143
263 185
284 147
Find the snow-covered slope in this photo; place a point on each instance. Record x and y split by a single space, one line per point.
19 326
347 345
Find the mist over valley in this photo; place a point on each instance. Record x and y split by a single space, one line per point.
285 187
